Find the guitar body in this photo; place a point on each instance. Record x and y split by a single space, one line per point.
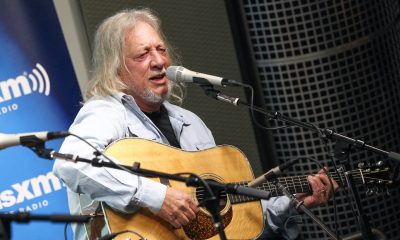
226 162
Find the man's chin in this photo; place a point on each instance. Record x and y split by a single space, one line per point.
155 98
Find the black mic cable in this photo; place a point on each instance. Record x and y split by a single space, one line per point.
113 235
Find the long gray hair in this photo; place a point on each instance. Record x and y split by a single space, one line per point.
108 53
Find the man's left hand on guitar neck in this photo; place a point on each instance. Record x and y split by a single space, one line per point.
321 189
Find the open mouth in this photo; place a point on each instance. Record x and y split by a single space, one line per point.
157 77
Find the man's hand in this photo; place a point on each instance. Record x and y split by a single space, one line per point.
321 188
178 208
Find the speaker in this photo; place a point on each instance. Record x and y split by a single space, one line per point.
334 64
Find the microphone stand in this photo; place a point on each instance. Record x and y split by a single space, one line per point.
24 217
36 145
299 205
5 229
211 202
327 134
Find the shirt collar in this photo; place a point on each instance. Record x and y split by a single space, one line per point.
173 111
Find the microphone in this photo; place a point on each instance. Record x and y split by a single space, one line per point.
178 73
9 140
272 173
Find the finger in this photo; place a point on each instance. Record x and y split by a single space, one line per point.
316 185
193 205
323 170
190 208
301 196
182 219
326 180
174 222
319 191
312 200
190 214
335 186
326 184
323 179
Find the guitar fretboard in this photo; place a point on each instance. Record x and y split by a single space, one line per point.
299 184
294 184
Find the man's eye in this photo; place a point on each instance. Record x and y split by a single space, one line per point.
162 50
141 56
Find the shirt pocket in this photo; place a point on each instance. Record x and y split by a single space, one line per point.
141 132
204 145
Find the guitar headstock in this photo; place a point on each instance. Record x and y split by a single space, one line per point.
375 174
376 177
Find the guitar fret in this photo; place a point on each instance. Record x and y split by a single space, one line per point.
292 187
362 176
286 183
295 185
301 185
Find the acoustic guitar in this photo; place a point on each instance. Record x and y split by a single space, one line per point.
242 216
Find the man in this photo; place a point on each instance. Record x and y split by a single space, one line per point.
130 96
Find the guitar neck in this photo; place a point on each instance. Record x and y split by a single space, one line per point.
294 184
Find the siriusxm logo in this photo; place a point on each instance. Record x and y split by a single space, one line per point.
25 84
29 189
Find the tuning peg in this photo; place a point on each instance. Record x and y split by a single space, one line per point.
361 164
377 190
369 192
371 182
379 164
387 192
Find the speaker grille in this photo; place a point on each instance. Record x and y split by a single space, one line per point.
335 64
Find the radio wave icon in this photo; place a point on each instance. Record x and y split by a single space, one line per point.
40 80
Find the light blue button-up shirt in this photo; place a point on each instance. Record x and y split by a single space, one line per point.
104 120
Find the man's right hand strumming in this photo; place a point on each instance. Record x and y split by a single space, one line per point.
178 208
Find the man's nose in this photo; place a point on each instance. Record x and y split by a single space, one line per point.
157 59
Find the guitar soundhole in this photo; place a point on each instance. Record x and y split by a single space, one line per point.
203 227
202 194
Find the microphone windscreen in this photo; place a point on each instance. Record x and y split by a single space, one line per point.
174 73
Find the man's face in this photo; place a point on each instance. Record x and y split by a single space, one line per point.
146 60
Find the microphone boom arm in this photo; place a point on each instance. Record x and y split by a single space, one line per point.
328 133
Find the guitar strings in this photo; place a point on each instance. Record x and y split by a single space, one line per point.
301 183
